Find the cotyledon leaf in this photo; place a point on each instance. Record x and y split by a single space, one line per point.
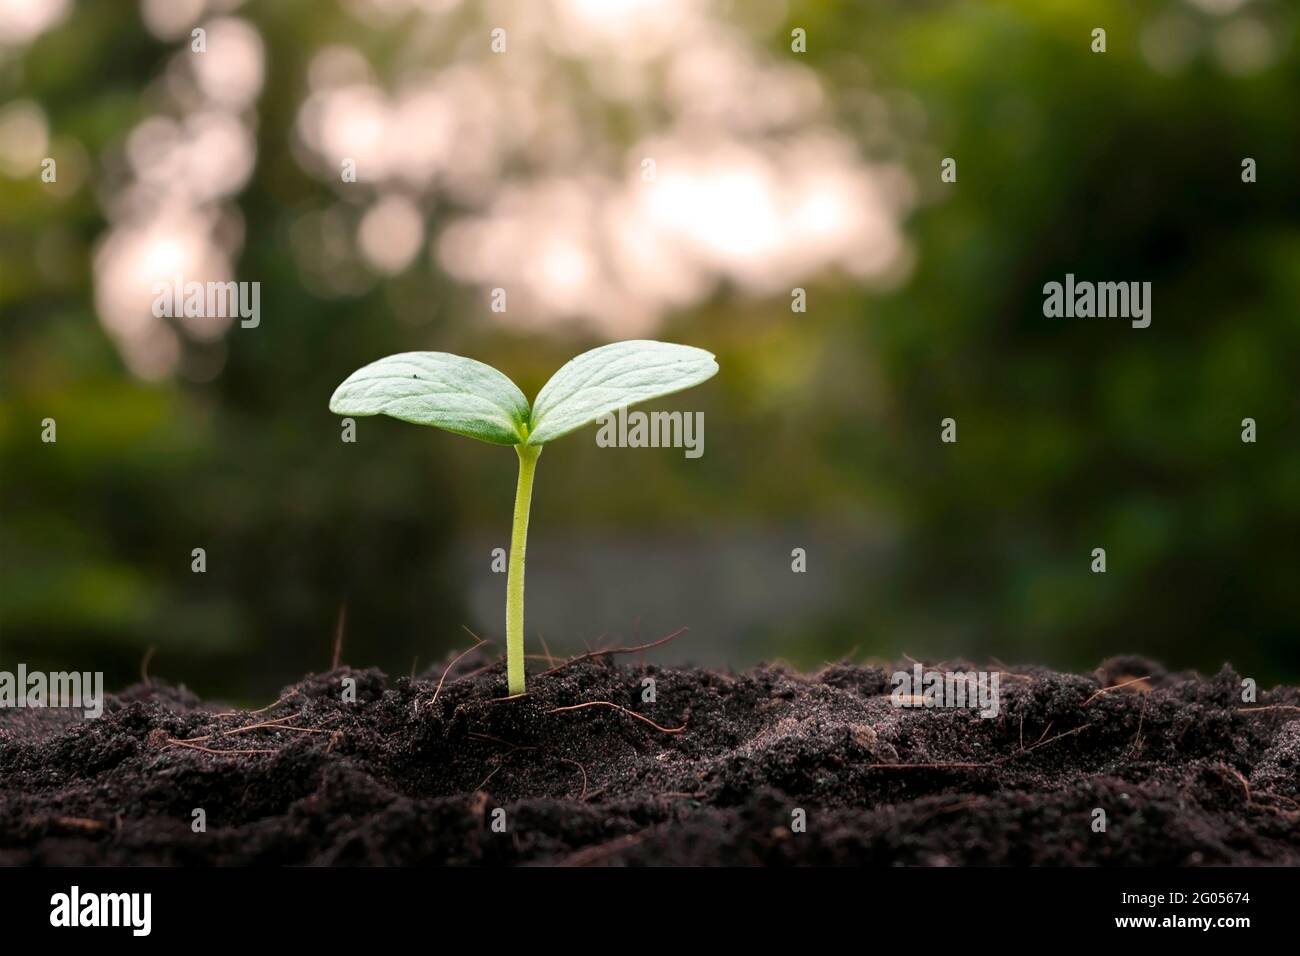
608 378
436 388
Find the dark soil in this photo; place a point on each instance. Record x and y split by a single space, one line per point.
1184 773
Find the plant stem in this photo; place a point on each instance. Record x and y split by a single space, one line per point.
528 455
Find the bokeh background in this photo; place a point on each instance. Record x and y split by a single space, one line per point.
770 170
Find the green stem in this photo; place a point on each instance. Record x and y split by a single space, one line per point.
528 455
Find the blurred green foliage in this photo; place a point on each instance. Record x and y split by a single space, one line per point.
1073 434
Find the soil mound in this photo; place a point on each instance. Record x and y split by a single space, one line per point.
588 770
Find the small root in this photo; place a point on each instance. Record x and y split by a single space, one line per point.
1044 743
1245 784
616 650
454 661
1256 710
979 766
593 854
260 710
278 723
273 726
210 750
583 795
630 713
1107 690
144 665
1137 738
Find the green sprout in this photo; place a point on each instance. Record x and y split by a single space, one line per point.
461 395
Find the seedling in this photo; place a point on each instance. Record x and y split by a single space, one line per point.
461 395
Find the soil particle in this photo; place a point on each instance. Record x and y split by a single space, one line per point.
408 772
